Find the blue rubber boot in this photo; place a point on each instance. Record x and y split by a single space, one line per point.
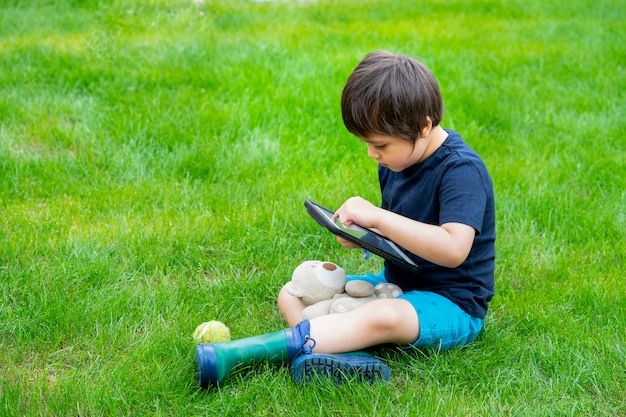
340 367
215 360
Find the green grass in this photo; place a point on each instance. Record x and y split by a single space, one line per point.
155 155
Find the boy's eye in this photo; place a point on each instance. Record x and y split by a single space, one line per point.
379 147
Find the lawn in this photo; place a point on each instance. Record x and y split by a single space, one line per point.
154 160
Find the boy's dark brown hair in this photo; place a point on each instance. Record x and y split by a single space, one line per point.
392 95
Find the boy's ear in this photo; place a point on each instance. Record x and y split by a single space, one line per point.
426 129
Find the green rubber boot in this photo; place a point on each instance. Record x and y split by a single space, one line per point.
215 360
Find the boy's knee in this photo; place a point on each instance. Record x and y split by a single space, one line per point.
284 297
390 314
396 319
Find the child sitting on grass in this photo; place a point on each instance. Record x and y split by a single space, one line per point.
437 204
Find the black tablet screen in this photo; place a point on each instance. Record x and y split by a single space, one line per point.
361 236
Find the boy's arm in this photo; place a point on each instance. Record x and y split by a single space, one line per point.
447 245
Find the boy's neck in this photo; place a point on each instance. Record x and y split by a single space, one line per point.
435 139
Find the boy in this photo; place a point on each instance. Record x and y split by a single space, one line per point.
437 203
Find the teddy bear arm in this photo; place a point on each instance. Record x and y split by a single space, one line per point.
320 308
345 304
359 288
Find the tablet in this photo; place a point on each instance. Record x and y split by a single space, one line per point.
365 238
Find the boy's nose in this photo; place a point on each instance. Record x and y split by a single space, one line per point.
371 151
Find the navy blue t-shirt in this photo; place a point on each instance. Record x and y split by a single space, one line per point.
451 185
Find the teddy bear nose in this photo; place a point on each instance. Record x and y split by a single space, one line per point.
329 266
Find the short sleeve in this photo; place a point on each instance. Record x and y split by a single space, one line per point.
463 197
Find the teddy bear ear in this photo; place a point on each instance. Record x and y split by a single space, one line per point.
293 290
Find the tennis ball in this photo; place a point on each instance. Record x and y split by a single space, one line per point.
211 332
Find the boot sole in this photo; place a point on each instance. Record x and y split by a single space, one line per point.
315 367
206 365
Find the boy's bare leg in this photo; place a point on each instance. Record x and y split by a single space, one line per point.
290 307
377 322
374 323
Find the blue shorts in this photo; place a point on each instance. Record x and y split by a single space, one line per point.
443 324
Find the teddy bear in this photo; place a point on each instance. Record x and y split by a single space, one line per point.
322 287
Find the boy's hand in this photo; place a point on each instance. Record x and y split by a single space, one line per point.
357 210
346 243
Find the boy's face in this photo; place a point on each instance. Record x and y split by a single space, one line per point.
395 153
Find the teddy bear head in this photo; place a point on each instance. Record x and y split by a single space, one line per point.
314 281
